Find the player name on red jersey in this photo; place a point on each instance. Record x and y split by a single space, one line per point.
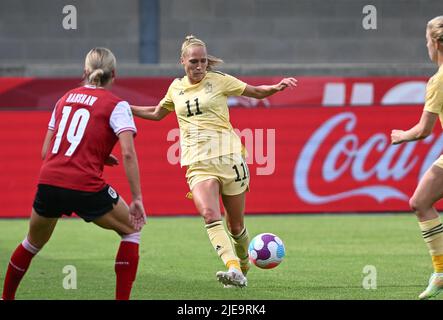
81 98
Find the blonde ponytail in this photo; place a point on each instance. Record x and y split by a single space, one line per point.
100 63
435 27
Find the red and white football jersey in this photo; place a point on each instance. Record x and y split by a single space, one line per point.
86 123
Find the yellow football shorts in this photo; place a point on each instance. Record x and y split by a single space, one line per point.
230 170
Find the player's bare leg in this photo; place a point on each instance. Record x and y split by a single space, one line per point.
429 191
234 209
126 262
118 219
40 231
206 199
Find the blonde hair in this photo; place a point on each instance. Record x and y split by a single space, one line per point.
99 66
193 41
435 27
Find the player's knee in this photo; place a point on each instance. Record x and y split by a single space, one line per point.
413 203
418 205
235 228
210 215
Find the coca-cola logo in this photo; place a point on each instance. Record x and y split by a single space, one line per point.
395 162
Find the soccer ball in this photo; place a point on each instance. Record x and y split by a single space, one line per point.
266 250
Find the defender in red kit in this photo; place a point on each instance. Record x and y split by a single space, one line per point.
84 127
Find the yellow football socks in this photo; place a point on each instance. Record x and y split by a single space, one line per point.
233 263
221 243
241 243
437 262
432 231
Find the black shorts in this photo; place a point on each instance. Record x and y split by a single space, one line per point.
53 202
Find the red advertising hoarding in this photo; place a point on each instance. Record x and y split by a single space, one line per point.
42 94
306 159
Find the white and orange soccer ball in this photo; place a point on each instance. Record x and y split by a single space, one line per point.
266 251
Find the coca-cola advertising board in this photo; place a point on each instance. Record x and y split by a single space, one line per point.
301 160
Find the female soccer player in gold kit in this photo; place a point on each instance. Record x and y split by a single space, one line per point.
211 150
430 187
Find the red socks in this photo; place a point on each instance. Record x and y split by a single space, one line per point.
126 264
19 263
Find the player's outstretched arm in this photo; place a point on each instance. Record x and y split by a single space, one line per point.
130 163
151 113
260 92
420 131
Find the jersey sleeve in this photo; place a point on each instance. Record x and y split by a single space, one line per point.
167 101
232 86
434 94
51 124
121 118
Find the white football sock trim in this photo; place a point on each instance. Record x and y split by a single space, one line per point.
133 237
28 246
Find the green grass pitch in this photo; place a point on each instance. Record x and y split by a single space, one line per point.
325 259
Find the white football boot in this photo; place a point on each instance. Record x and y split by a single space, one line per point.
232 277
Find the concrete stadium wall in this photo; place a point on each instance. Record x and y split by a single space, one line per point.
32 31
306 37
299 31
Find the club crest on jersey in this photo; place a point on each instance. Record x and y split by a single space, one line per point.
112 193
208 87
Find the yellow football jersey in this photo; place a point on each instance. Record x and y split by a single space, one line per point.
434 94
203 116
